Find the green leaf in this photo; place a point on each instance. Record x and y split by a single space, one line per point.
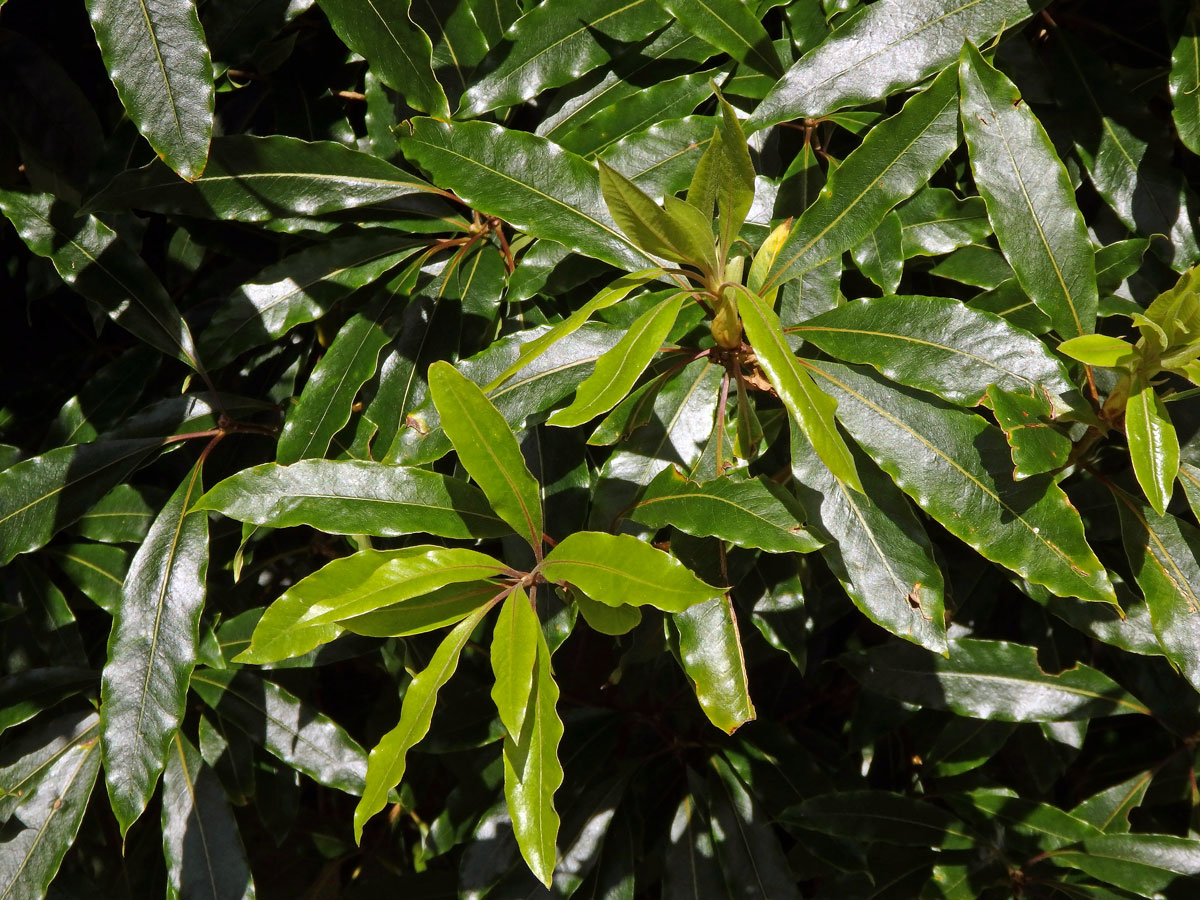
897 157
96 263
611 620
355 497
691 869
254 179
882 816
446 606
710 648
25 694
1109 810
48 815
399 53
942 346
1185 84
1049 825
733 177
729 26
663 159
810 407
878 548
1164 553
386 763
752 513
519 177
646 223
152 650
324 406
1153 443
1099 350
158 60
949 460
532 771
488 451
1029 198
882 50
27 759
621 570
619 368
123 515
989 680
935 221
289 728
553 44
881 256
306 615
203 850
514 659
98 570
1146 864
1037 446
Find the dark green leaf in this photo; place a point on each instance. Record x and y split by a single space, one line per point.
881 256
1109 810
730 26
24 694
121 516
935 221
882 816
1146 864
1185 84
98 570
1036 445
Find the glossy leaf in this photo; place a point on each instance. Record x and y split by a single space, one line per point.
881 256
753 513
514 659
887 48
386 763
152 650
942 346
1109 810
729 26
989 680
883 816
158 60
935 221
1037 446
306 615
621 570
619 368
204 853
488 451
1185 84
1146 864
894 160
25 694
711 650
355 497
399 52
1029 198
123 515
948 461
613 620
98 570
445 606
1153 443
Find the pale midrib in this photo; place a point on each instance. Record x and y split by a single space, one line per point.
701 496
162 68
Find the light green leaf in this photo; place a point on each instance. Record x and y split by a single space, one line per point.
734 177
488 451
514 659
445 606
711 650
386 762
1098 350
619 369
1153 443
1029 198
621 570
612 620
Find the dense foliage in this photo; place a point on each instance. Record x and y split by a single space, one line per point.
699 448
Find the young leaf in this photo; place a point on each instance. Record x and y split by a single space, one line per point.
158 60
1153 443
1029 198
612 620
1098 350
753 513
621 570
619 369
487 450
152 650
711 650
386 763
647 224
355 497
810 407
734 177
306 615
514 659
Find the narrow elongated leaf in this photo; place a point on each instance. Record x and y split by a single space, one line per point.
355 497
1048 824
620 569
1146 864
878 550
531 183
26 760
386 763
730 26
1109 810
753 513
285 726
158 60
152 650
1164 553
47 819
650 227
306 615
42 495
1185 84
691 870
399 53
446 606
252 179
810 407
202 847
532 772
487 450
949 461
1153 443
896 158
95 262
990 680
24 694
711 650
514 659
942 346
619 369
554 43
1029 198
888 47
883 816
935 221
